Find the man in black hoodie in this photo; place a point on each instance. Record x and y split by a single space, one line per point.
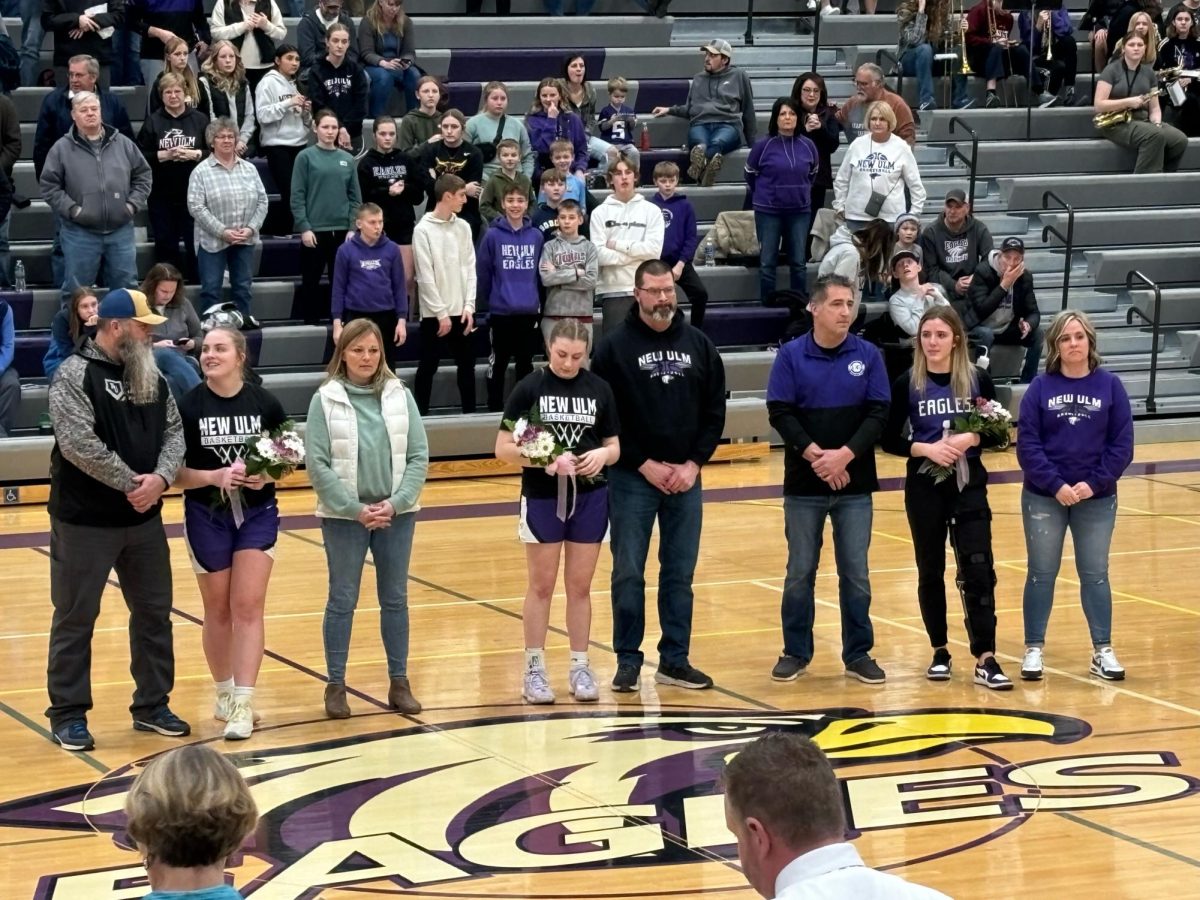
669 384
954 245
1000 307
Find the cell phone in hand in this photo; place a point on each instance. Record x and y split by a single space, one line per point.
180 342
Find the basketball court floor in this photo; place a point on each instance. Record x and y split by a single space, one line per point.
1070 785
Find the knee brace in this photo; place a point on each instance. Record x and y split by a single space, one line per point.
971 537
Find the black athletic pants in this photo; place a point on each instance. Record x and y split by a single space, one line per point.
314 305
934 509
515 338
460 348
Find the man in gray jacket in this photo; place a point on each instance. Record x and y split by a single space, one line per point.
96 180
720 108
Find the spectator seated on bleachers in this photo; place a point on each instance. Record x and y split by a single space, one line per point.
311 31
1001 307
419 126
484 128
954 244
923 25
869 88
1126 86
1182 48
254 28
1096 21
81 27
177 340
336 82
172 140
226 92
616 121
10 384
97 224
1059 58
549 120
720 112
860 256
877 173
910 301
71 324
386 49
990 51
580 98
228 202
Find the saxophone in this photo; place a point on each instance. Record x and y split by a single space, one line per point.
1120 116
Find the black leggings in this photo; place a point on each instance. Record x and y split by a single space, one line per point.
934 509
281 160
315 261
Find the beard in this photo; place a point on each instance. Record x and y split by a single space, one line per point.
663 312
141 371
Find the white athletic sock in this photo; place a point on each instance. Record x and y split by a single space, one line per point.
535 658
579 660
243 693
226 685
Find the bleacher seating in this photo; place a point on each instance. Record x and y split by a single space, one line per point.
1146 222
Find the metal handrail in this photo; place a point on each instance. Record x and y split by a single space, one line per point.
1130 277
898 70
973 162
1068 240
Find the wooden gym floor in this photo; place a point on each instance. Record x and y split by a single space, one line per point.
1070 784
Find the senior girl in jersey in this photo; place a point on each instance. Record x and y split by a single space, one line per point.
1076 441
367 459
941 386
578 409
232 562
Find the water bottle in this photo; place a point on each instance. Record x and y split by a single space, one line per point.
644 143
710 252
19 275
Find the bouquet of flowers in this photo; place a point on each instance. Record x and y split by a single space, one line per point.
272 453
535 441
988 419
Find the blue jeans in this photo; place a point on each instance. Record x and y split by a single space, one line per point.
918 61
346 544
126 58
804 526
384 81
633 506
793 229
1046 523
240 260
717 137
582 7
180 370
83 251
32 36
983 336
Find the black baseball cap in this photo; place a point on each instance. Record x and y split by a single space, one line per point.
956 195
1012 243
908 253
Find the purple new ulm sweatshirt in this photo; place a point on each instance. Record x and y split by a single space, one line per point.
780 172
506 266
369 278
680 237
1073 430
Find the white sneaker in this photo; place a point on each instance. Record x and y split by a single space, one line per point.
583 684
1104 664
537 686
223 706
1031 665
241 721
831 11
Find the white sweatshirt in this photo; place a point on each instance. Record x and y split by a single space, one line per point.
282 124
636 229
885 167
444 264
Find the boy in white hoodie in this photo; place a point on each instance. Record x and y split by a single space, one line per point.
444 259
627 230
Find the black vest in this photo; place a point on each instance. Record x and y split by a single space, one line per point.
233 13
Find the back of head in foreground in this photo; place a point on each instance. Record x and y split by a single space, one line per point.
187 812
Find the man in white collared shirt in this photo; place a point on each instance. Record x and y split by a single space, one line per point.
784 805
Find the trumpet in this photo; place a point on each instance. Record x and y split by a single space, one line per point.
962 38
1048 35
1121 116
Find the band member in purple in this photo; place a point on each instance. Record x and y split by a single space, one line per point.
1076 440
943 384
828 397
669 382
562 515
231 551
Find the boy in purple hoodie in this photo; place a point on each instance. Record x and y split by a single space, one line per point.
368 279
506 265
680 238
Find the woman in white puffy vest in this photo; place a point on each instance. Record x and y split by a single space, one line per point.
367 457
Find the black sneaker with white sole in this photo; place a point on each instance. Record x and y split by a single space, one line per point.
789 668
684 676
939 669
991 676
866 670
627 679
163 722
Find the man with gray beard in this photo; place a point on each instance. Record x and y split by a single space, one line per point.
669 384
118 442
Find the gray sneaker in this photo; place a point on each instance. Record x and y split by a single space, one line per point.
865 670
789 668
583 687
537 686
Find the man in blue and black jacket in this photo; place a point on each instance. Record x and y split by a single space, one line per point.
828 397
